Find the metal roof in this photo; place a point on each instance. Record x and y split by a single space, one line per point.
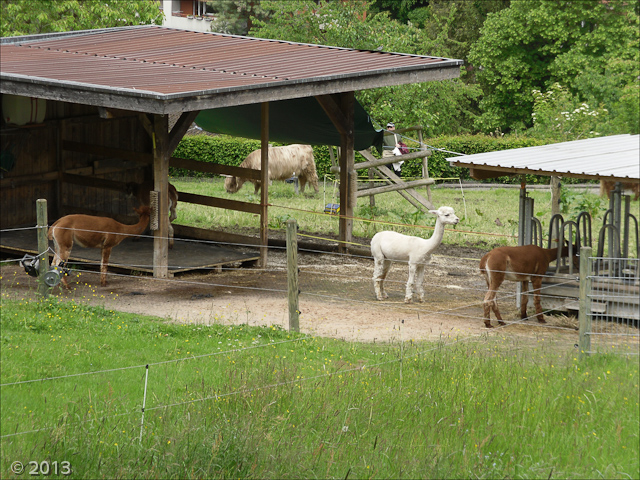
616 157
163 70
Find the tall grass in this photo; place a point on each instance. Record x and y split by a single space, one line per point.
488 217
252 402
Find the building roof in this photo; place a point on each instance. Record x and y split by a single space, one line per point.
162 70
615 157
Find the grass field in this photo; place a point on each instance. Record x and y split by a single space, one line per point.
249 402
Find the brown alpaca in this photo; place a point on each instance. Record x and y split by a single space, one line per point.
93 232
523 264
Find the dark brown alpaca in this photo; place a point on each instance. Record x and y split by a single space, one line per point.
523 264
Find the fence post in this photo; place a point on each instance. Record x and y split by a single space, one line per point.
43 245
292 275
584 313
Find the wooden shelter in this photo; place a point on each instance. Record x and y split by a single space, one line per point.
108 95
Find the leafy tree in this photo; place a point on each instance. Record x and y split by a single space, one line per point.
235 16
535 43
559 116
401 10
455 26
26 17
442 107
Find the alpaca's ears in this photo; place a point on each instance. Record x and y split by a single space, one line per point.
435 212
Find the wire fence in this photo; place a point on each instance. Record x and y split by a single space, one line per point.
613 303
336 299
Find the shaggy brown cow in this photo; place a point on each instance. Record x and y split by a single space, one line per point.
284 162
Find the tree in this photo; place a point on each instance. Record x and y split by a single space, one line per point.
235 16
455 26
442 107
535 43
26 17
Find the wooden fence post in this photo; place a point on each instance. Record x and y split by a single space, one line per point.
584 312
292 275
43 245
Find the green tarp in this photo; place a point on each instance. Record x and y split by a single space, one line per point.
300 120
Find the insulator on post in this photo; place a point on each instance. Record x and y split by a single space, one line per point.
153 203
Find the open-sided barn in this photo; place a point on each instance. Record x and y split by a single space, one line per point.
87 112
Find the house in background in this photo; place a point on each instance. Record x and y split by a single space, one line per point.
187 15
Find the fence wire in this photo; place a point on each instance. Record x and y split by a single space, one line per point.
614 305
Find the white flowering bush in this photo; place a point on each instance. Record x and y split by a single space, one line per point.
560 116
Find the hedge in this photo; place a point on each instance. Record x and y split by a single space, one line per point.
232 151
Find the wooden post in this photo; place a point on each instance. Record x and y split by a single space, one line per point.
372 198
425 163
556 188
584 305
348 175
264 191
43 245
292 275
161 154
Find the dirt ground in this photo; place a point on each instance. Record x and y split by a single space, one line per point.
336 298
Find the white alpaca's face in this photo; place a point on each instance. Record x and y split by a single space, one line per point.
447 216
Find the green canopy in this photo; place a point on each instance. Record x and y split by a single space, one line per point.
300 120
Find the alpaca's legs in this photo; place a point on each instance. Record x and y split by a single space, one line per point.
106 252
418 288
380 271
61 256
302 181
494 280
524 298
408 295
536 282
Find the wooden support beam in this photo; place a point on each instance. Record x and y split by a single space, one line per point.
376 162
348 177
396 186
264 191
332 109
161 156
180 128
220 203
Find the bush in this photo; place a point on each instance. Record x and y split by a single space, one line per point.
227 150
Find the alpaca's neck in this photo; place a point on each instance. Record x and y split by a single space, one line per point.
137 228
438 233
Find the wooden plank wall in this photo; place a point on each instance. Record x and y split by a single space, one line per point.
41 162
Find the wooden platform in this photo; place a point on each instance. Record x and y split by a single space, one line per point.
136 255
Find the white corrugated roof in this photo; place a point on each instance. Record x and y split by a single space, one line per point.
609 158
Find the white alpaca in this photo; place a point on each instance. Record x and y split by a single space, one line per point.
389 247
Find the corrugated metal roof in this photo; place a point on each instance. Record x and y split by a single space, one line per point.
163 63
616 157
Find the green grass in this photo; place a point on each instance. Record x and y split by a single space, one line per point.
488 217
251 402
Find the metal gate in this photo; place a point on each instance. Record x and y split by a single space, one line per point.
609 305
